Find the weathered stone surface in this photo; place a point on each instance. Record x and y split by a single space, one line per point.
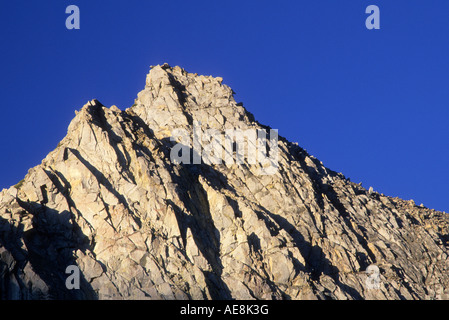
109 200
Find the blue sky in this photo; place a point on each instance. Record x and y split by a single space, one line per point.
372 104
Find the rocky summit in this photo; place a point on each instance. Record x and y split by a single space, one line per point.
111 202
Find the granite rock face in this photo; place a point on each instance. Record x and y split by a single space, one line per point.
110 200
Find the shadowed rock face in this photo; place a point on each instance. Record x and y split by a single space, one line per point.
109 200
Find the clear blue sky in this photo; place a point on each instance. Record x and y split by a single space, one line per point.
372 104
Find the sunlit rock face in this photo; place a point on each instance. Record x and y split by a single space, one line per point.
111 201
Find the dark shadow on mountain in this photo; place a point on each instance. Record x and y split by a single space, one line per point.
49 248
316 261
361 238
99 119
198 217
102 180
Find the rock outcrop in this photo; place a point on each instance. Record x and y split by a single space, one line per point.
110 200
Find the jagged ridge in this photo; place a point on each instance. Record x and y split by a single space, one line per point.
109 200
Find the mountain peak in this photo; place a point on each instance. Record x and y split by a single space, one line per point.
173 98
111 201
